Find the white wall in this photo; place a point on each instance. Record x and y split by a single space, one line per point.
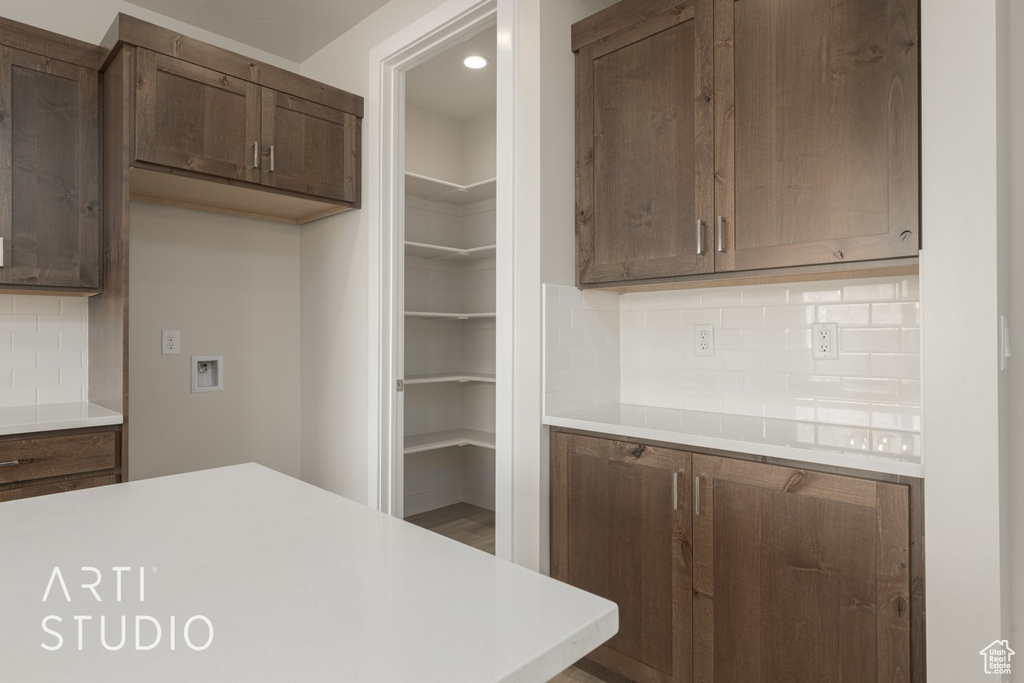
479 146
335 288
433 145
1014 26
231 286
966 553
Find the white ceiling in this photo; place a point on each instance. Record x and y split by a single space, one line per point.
445 86
294 30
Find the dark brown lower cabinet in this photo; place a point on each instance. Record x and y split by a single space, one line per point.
729 570
798 575
42 463
621 529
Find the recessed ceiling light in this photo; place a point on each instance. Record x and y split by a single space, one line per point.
475 62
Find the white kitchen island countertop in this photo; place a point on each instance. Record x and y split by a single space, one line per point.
299 584
28 419
872 449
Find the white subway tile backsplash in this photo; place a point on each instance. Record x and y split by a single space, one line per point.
846 314
637 348
906 314
61 323
26 378
743 317
59 359
37 305
37 341
51 395
44 345
74 305
18 323
879 340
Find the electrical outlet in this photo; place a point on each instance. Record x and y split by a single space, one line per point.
703 340
825 341
170 342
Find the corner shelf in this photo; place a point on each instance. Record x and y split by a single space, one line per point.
418 443
436 190
427 315
449 377
436 252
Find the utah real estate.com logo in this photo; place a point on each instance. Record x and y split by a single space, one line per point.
997 657
196 633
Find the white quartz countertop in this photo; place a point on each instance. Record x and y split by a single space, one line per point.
27 419
874 450
299 584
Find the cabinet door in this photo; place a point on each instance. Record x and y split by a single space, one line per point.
798 576
49 172
309 148
195 119
816 116
644 149
620 528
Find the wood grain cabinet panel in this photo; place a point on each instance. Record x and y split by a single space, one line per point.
816 116
726 569
52 456
308 148
788 130
798 575
644 145
49 173
61 486
621 530
195 119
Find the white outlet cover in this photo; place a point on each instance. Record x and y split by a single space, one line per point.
825 341
704 340
170 342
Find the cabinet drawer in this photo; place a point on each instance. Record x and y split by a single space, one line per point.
56 487
53 456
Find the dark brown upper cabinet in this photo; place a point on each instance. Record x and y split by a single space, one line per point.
214 130
196 119
308 147
49 166
645 149
784 134
816 115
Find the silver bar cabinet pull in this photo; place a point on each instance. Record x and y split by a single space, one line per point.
675 491
719 244
696 494
256 154
700 237
1 252
271 157
10 463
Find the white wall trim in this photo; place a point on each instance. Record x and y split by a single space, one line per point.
433 33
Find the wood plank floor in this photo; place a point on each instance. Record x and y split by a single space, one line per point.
462 522
474 526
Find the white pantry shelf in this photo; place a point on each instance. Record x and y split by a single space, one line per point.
436 190
437 252
418 443
429 315
449 377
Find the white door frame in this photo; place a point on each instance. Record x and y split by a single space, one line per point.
426 37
